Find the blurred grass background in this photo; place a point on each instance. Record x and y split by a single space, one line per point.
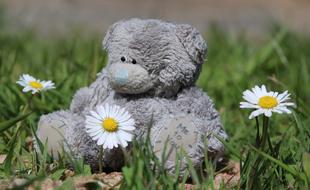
234 63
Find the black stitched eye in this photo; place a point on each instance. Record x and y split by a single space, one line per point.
123 59
134 61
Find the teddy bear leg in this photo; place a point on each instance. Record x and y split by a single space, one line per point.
63 129
185 134
177 134
51 129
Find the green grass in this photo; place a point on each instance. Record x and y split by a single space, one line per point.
234 64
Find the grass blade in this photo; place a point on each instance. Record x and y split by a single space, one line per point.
5 125
279 163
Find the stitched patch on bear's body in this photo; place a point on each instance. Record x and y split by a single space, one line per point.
179 133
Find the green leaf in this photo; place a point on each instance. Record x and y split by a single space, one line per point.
128 174
229 147
57 174
86 169
280 163
306 163
68 184
9 157
7 124
191 168
43 160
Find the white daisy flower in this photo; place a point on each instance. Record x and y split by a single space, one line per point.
265 102
110 126
31 84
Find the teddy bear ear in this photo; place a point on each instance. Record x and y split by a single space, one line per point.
193 42
108 37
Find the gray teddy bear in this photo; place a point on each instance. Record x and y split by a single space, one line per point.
151 72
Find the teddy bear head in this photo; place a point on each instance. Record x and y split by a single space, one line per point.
153 57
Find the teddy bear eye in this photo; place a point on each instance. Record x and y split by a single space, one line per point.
123 59
133 61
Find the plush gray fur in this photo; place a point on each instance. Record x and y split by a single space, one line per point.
158 91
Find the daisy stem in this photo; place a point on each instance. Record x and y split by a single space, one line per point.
24 110
258 158
257 132
265 132
100 159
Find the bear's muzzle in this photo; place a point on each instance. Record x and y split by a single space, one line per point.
129 78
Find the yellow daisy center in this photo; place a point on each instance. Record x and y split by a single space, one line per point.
267 102
110 124
36 85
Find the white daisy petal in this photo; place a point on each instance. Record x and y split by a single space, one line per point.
102 139
97 112
95 115
282 95
92 119
90 125
113 111
277 110
248 105
263 89
122 141
129 122
94 129
250 97
257 91
28 78
106 110
267 112
109 143
275 94
27 89
287 104
119 113
22 83
102 112
112 139
125 135
125 117
117 141
270 93
127 127
285 98
34 91
91 128
47 85
255 113
97 136
105 145
284 109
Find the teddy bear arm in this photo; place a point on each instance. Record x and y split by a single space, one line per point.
211 125
88 97
80 100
